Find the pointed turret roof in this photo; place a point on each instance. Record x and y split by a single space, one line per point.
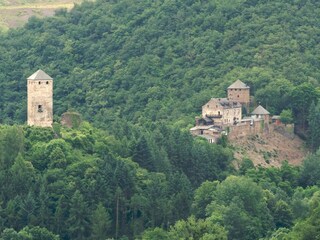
260 111
238 84
39 75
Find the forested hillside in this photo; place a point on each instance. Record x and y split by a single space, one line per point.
84 183
149 61
139 72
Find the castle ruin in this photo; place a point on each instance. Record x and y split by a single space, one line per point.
40 99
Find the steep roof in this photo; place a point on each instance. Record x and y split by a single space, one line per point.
39 75
260 111
224 102
238 84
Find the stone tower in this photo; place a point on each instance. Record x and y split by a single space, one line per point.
40 99
239 92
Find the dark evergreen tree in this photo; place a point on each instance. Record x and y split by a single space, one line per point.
101 223
78 222
314 123
310 170
142 154
60 217
45 214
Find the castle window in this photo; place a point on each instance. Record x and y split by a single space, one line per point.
39 82
47 82
40 108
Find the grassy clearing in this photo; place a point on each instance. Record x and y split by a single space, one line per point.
15 13
39 6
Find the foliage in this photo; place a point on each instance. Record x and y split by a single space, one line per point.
286 116
161 61
140 71
310 170
238 203
28 233
93 186
189 229
314 121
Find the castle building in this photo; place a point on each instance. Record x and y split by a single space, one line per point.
40 99
261 113
222 111
223 116
217 114
239 92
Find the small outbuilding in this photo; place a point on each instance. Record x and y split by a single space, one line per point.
261 113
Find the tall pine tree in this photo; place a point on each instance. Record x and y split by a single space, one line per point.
101 222
78 217
314 123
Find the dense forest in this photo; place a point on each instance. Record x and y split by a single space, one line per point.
143 61
84 183
138 72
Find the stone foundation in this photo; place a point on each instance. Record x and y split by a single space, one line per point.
247 129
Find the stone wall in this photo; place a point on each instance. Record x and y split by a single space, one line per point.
226 115
239 95
71 119
40 103
246 129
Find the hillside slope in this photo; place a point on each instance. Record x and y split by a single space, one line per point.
271 149
143 61
140 72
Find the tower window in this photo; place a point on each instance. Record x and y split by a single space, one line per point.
39 82
40 108
47 82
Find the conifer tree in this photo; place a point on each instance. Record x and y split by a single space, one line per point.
142 154
101 222
60 216
314 129
78 217
44 211
23 175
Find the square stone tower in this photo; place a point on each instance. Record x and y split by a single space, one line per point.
40 99
239 92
